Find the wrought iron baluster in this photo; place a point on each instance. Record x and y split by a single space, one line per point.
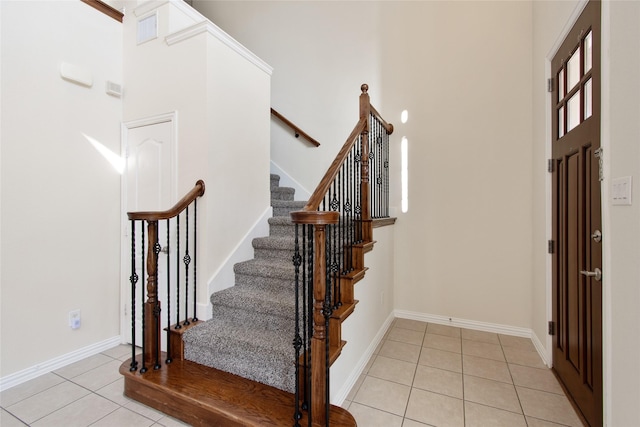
334 262
178 325
343 212
386 171
327 311
168 360
297 340
310 239
143 369
186 259
156 305
305 325
378 139
133 279
358 230
195 258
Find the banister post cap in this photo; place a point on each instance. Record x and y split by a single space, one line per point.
364 88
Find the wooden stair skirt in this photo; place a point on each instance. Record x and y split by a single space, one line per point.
203 396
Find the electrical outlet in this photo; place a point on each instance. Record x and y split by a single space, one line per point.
74 319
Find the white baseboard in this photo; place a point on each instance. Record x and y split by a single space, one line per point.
57 363
541 350
479 326
342 394
205 311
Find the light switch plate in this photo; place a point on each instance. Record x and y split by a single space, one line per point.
621 191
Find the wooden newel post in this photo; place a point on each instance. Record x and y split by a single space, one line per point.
319 356
318 340
151 334
365 112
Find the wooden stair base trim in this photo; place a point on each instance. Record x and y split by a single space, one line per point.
204 397
334 352
337 317
355 275
383 222
175 338
341 313
366 246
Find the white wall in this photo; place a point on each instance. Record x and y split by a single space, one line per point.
321 53
60 197
463 71
470 107
222 101
621 229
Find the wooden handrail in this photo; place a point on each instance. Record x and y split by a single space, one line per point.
327 275
197 191
387 126
295 128
329 176
105 8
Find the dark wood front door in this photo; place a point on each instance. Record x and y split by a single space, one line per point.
577 259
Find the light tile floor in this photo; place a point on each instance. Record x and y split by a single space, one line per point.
432 375
85 393
420 375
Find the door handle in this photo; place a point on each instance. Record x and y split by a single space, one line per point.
597 236
596 274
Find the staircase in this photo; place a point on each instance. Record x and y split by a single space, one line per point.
264 357
252 328
237 367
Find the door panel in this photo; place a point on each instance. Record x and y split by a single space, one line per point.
577 294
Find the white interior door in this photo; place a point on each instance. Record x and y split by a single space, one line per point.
149 185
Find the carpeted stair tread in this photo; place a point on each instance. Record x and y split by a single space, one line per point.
274 247
285 207
264 321
266 267
243 349
275 180
281 221
275 242
252 328
278 302
282 226
282 193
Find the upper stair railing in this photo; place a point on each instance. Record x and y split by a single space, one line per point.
332 231
173 231
297 131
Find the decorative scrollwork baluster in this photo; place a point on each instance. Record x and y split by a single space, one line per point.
133 279
187 260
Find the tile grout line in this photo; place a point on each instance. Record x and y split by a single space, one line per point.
526 423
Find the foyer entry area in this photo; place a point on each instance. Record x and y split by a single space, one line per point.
420 375
424 374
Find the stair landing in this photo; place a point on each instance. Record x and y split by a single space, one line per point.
203 396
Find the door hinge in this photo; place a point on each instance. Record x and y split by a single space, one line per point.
551 165
552 327
552 246
598 153
550 85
